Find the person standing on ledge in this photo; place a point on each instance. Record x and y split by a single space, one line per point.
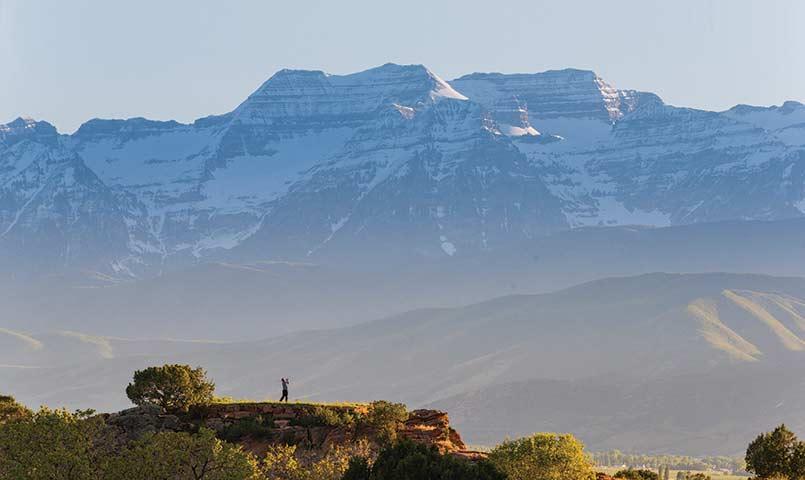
284 396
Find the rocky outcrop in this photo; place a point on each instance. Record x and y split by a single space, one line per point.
432 427
259 425
133 423
298 424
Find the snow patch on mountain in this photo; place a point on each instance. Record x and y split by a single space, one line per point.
250 181
769 118
800 205
611 211
447 246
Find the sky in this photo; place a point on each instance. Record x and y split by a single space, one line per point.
68 62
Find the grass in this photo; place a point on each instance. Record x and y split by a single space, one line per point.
231 400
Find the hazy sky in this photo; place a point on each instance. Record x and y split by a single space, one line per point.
66 62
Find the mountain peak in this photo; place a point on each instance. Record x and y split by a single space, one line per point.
787 107
567 74
389 75
774 117
545 97
26 127
414 74
316 96
791 105
136 125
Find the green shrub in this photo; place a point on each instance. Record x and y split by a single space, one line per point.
333 417
175 388
406 460
386 417
181 455
637 474
358 469
543 456
258 428
288 462
322 416
50 444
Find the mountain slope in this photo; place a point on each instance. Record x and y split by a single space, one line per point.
626 157
236 301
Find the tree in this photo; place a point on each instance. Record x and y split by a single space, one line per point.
173 387
10 410
639 474
386 417
775 454
358 469
50 444
797 465
283 462
543 456
406 460
183 456
280 463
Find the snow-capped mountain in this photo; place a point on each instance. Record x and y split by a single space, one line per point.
392 162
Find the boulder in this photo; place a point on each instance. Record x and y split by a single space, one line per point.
133 423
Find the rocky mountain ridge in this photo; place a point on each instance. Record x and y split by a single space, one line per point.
318 166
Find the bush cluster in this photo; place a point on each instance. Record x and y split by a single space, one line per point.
406 460
637 474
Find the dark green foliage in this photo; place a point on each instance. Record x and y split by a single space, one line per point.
322 416
180 456
175 388
358 469
10 410
385 417
637 474
776 454
258 428
333 417
50 444
797 465
406 460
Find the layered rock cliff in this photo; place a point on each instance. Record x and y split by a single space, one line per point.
288 424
